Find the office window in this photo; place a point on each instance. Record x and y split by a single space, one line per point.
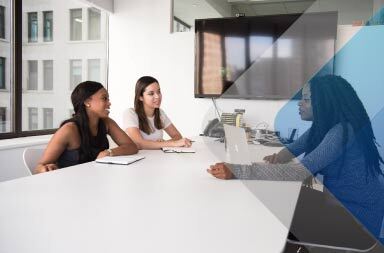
2 72
48 25
6 69
75 73
94 22
32 118
76 17
48 74
3 119
32 27
94 70
2 22
48 118
32 75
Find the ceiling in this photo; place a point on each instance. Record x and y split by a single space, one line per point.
254 8
189 10
348 10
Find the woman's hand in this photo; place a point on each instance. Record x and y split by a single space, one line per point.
183 142
284 156
102 154
271 158
221 171
41 168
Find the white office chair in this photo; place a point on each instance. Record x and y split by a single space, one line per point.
31 157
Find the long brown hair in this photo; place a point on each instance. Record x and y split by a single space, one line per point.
144 126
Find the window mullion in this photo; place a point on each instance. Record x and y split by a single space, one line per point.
17 65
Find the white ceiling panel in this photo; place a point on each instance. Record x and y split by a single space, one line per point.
269 9
297 7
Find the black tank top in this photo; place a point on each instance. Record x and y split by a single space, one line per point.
75 156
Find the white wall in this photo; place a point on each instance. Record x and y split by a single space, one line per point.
106 5
141 44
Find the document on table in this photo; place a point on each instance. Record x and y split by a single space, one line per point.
178 150
123 159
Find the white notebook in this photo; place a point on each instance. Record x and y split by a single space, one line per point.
123 159
178 150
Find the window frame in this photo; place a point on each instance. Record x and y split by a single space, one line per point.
2 22
46 27
33 112
47 82
89 69
3 118
90 12
72 19
30 38
72 67
33 84
3 65
16 89
47 111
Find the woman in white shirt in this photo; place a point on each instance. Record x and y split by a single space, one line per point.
145 123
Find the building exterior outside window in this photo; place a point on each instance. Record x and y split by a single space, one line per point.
2 73
32 27
47 118
75 73
32 118
48 74
52 64
94 70
76 23
94 27
32 75
6 69
48 25
3 119
2 22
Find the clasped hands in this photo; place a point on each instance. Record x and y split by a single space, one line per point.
183 142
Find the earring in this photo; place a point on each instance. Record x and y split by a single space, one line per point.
87 105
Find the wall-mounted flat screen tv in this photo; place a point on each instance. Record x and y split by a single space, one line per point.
262 57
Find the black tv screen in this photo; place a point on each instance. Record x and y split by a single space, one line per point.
262 57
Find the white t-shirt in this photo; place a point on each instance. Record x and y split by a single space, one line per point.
130 119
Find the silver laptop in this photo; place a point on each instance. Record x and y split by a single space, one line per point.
236 146
124 160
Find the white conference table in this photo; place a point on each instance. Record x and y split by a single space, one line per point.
163 203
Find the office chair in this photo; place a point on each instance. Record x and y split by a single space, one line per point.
31 157
322 225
